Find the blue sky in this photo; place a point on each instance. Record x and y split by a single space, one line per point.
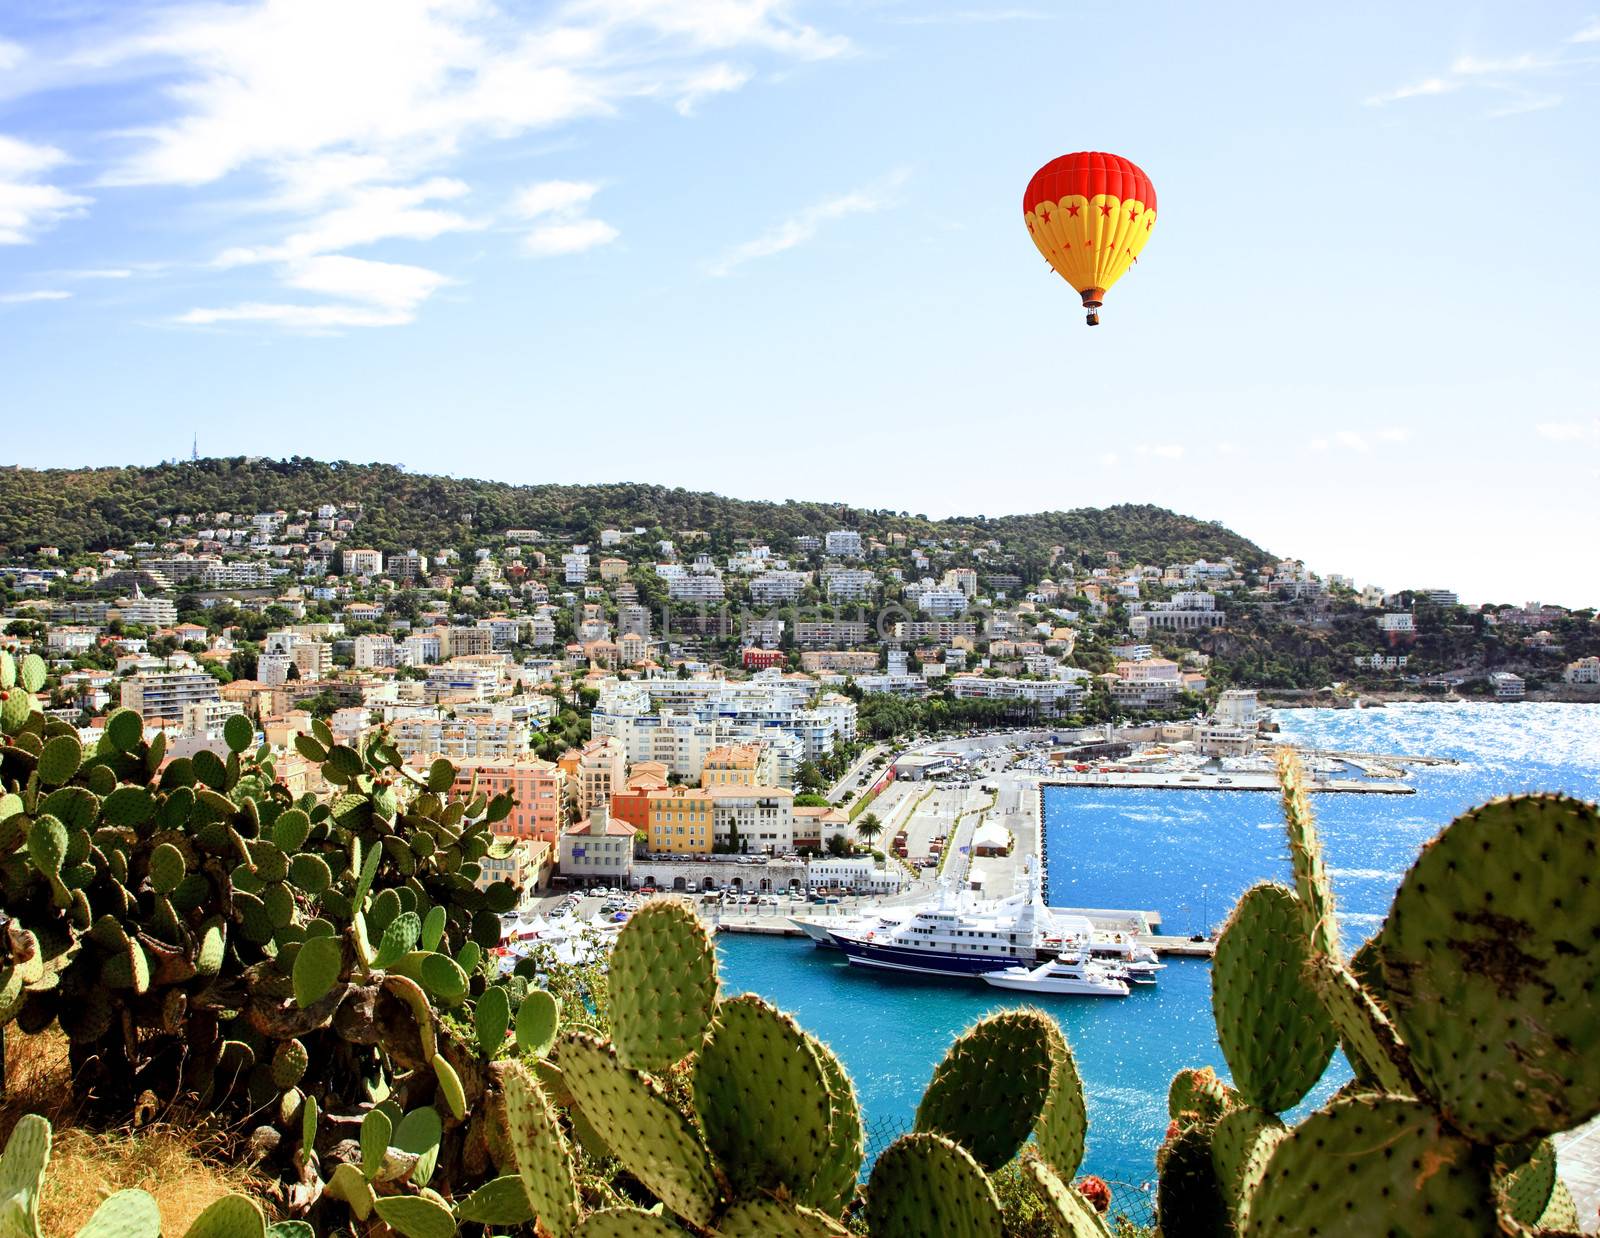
774 248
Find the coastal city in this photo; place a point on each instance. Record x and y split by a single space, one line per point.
770 619
666 715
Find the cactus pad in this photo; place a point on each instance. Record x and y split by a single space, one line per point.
1189 1198
237 733
1489 967
316 969
543 1162
1072 1213
1371 1044
1196 1095
47 845
59 760
289 1062
762 1096
399 939
127 1214
416 1216
1241 1146
538 1019
1064 1122
647 1134
627 1223
1274 1031
925 1184
491 1019
499 1202
1311 881
1373 1165
773 1218
1525 1189
450 1087
232 1216
420 1133
1561 1213
835 1183
663 985
167 868
124 728
22 1167
1007 1059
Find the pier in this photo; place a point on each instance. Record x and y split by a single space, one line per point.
1206 780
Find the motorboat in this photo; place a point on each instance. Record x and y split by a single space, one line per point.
1073 975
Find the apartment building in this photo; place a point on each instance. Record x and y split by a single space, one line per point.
539 789
598 849
363 562
752 819
941 601
165 696
1051 696
1583 671
695 588
600 767
843 543
847 584
681 820
840 661
739 765
146 612
460 739
831 633
773 588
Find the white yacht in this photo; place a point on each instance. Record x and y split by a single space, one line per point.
1068 974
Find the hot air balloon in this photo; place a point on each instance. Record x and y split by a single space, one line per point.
1090 214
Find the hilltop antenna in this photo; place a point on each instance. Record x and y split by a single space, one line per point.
194 451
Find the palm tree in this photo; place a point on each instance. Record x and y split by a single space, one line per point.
869 827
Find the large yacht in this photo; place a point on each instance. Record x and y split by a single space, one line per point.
958 934
1074 975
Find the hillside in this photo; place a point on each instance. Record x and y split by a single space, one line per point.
92 509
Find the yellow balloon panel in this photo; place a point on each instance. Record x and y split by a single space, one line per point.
1091 242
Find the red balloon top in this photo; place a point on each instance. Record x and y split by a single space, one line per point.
1086 174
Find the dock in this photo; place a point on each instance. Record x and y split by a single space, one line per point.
1207 781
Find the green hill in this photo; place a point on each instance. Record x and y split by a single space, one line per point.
93 509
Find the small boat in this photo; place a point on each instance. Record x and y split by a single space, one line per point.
1068 975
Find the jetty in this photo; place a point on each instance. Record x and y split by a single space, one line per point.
1209 780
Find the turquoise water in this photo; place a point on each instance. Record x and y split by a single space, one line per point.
1187 854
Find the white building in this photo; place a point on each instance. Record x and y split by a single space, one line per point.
1397 622
364 562
378 650
1508 687
695 588
941 601
848 584
166 695
843 543
1583 671
598 848
860 873
770 588
575 568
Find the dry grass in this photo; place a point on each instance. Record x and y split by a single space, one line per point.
176 1160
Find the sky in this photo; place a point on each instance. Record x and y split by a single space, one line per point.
775 249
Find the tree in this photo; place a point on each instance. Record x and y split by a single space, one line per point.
810 799
869 827
837 845
808 777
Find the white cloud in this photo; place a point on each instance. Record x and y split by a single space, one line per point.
554 240
968 17
103 273
1568 431
798 229
392 285
553 198
1501 74
1393 434
720 24
1162 451
719 79
563 228
11 54
1320 444
42 294
1416 90
1109 459
1590 33
365 216
27 205
314 318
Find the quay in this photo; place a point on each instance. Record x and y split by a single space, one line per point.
1207 781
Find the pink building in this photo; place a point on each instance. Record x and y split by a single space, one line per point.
538 787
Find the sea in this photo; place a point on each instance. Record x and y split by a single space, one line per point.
1188 855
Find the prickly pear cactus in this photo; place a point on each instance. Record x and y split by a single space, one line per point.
1273 1029
1488 968
926 1184
22 1167
1374 1165
127 1214
663 985
1008 1059
763 1096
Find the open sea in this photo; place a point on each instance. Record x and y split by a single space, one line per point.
1188 855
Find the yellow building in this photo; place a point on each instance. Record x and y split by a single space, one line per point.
680 820
737 765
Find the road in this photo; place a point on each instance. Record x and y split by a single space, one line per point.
853 778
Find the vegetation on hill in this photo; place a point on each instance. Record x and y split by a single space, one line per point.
93 509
